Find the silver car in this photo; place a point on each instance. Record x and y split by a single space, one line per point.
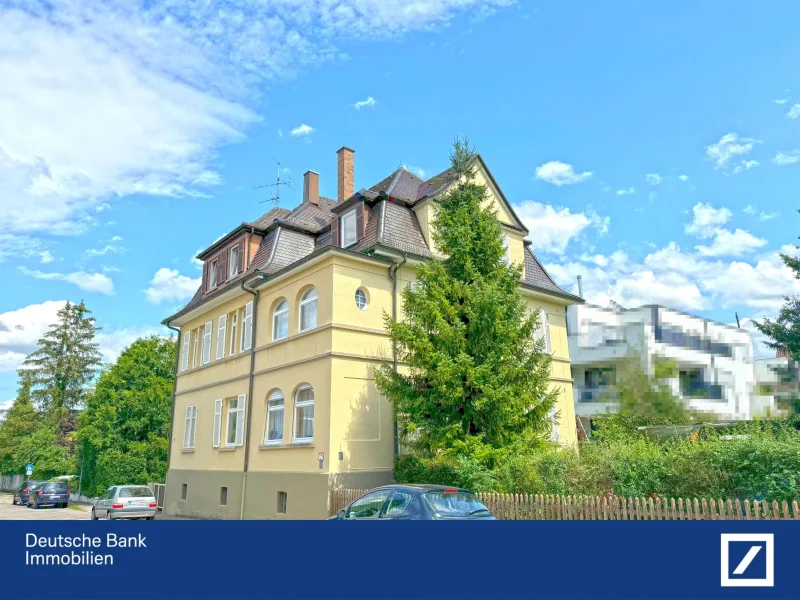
126 502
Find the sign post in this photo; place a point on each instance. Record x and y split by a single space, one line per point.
29 470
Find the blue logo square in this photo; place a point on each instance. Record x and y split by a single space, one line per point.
746 563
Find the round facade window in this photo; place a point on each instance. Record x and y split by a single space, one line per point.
361 299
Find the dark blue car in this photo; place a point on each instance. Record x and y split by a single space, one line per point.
49 493
22 492
416 503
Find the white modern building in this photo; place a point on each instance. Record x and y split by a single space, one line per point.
715 361
777 384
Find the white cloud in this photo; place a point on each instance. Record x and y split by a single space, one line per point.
786 158
781 100
683 177
736 243
761 216
112 342
20 330
706 220
90 282
419 172
626 191
745 165
653 178
302 130
794 112
370 101
106 99
170 285
45 257
553 228
760 349
728 147
116 238
559 173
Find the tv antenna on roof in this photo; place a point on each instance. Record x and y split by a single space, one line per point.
276 199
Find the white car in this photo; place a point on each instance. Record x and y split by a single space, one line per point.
126 502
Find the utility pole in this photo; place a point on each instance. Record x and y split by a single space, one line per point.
737 320
276 199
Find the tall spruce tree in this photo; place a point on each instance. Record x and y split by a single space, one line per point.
474 373
64 365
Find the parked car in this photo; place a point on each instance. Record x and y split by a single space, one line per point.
416 503
22 492
126 502
49 493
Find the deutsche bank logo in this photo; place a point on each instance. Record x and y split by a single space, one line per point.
748 560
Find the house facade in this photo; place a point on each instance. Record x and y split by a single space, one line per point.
275 399
715 361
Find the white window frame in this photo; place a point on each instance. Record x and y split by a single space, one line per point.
280 312
363 292
194 348
238 410
190 427
343 220
187 339
247 326
302 405
212 274
544 331
205 357
217 431
233 334
275 395
233 266
304 302
222 325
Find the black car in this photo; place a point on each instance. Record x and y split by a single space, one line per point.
52 493
22 492
416 503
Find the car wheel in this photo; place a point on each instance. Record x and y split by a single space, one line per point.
108 515
94 515
13 500
149 518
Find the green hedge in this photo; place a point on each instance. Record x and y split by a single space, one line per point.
764 465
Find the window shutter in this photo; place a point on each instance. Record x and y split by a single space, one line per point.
240 421
217 423
186 428
205 276
360 221
241 255
335 241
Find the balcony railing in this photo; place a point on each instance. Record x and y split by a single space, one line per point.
596 394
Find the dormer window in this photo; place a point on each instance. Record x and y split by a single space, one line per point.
233 262
348 229
212 274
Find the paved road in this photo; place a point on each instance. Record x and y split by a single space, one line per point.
10 512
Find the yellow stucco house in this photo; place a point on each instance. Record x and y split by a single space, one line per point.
275 402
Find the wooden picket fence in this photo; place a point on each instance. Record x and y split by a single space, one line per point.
526 507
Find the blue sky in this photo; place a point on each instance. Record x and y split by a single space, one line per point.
654 150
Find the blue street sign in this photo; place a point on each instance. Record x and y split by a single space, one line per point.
29 468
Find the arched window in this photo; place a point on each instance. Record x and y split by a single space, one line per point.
304 414
280 321
274 430
308 310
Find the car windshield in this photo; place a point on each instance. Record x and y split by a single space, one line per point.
454 505
58 487
136 492
30 485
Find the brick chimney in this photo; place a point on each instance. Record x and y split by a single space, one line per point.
346 173
311 187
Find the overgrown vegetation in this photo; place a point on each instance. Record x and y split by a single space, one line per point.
66 421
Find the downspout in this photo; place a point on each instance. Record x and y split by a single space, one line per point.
174 391
393 276
248 410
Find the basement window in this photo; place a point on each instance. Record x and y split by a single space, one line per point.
348 229
184 490
223 496
282 503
